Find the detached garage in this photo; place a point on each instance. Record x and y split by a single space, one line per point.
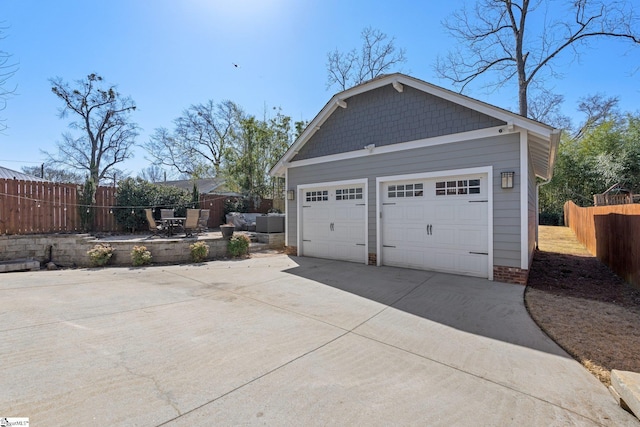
400 172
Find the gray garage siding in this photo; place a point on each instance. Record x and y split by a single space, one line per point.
384 116
502 152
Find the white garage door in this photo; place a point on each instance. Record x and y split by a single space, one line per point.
333 223
436 224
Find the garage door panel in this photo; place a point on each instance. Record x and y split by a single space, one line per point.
341 213
474 239
415 234
444 237
394 256
348 252
415 259
333 223
318 213
415 213
393 212
445 261
319 249
445 213
394 233
473 264
439 228
472 213
355 234
356 212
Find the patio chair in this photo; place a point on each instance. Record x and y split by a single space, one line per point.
191 222
203 221
166 213
154 227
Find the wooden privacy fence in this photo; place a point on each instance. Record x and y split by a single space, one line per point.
30 207
610 233
215 204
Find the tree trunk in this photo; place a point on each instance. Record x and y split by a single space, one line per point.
522 99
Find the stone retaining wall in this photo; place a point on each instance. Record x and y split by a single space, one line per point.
274 240
70 250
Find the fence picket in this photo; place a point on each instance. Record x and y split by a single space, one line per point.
610 233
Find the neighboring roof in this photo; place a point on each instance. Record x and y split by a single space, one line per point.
6 173
205 186
543 139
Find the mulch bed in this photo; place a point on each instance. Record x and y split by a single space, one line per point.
580 277
587 310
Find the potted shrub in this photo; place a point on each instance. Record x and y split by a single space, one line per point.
227 230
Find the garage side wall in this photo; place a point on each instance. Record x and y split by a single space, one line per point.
502 152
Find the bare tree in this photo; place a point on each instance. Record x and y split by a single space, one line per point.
545 108
597 109
50 173
494 37
7 70
199 140
153 173
106 133
377 56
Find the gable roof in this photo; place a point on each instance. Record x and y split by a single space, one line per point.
543 139
6 173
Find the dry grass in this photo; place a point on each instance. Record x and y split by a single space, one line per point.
583 306
560 240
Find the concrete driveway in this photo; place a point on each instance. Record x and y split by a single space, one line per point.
275 340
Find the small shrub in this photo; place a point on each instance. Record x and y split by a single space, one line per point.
199 251
238 245
140 256
100 254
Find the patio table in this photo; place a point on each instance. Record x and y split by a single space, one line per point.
171 223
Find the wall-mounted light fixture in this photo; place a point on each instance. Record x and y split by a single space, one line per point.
291 195
507 179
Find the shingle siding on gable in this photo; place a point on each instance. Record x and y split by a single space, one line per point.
384 116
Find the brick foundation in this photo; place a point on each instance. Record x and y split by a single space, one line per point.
291 250
373 259
510 275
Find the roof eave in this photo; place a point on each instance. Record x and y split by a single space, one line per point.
554 143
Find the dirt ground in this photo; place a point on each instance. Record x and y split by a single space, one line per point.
583 306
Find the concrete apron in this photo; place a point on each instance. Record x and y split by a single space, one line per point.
283 341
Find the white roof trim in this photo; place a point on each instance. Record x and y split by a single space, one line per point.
398 80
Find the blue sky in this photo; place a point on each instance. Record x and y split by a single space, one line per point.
168 55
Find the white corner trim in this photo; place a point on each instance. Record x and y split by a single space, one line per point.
341 103
401 146
286 208
524 201
398 86
488 170
300 192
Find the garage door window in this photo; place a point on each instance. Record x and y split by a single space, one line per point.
349 194
452 188
406 190
317 196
